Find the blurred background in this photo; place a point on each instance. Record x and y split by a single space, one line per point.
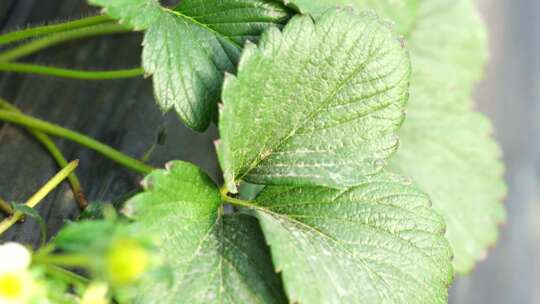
510 96
122 113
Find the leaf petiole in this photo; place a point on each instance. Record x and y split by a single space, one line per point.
69 73
62 260
50 40
235 201
39 195
52 28
49 128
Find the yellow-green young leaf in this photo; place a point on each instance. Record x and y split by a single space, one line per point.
446 147
402 12
215 258
376 242
318 103
187 49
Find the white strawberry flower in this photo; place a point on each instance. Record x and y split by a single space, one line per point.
16 282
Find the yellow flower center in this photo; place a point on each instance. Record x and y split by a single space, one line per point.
11 286
127 261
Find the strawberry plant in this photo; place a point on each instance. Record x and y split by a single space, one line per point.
354 170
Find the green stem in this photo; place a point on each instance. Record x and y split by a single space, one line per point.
64 260
39 195
48 41
44 250
5 207
8 106
49 128
69 73
66 275
56 154
235 201
53 28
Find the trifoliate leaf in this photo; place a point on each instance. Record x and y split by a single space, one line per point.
187 49
402 12
318 103
216 258
376 242
446 147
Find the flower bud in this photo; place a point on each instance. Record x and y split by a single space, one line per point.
127 261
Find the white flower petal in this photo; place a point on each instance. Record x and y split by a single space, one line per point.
14 257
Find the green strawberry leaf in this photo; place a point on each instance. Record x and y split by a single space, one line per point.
187 49
216 258
447 148
376 242
402 12
456 160
458 164
318 103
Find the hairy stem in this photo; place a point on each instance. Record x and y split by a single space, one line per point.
56 154
52 28
39 195
69 73
49 128
48 41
